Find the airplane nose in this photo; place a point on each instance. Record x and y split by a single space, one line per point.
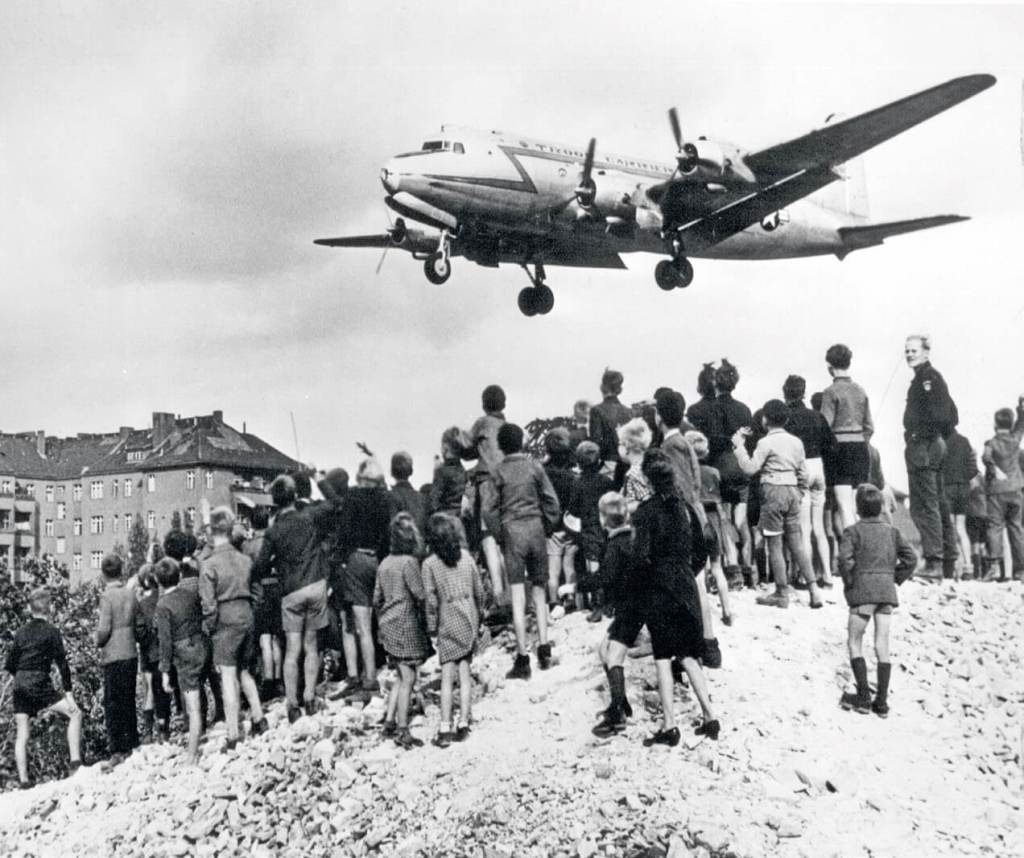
389 178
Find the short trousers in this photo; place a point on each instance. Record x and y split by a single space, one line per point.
558 543
268 610
305 610
358 579
735 493
851 464
816 482
190 656
958 496
526 552
393 662
234 646
977 528
627 623
674 632
780 509
33 692
870 610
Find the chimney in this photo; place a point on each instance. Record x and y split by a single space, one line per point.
163 426
124 432
218 416
41 443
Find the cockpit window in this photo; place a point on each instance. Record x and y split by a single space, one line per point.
431 146
458 149
434 146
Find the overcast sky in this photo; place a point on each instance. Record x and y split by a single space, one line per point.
165 168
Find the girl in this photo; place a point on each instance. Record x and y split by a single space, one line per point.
398 597
668 548
450 476
711 498
455 601
634 439
873 559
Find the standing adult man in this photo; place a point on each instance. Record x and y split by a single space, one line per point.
929 417
606 418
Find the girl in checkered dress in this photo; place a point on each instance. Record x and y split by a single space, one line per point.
398 599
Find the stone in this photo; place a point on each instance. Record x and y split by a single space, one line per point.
323 752
305 728
677 848
603 770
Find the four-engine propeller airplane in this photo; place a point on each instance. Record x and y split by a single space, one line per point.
500 198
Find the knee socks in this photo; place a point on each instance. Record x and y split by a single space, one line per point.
860 675
617 687
884 672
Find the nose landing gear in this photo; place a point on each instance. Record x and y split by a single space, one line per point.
538 299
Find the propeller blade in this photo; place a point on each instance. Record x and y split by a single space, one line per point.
380 263
677 131
588 161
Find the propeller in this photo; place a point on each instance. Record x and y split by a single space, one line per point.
586 191
686 153
396 233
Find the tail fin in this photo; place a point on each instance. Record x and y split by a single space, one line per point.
850 194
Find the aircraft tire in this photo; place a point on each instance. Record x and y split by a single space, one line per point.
527 301
666 275
437 269
544 299
684 272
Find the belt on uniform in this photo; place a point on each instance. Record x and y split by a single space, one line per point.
368 552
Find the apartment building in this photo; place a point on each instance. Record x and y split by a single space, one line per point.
76 498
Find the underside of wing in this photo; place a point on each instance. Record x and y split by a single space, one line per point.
834 144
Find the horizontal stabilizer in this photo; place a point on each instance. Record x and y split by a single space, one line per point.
856 237
382 240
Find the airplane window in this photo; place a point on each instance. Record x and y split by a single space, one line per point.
459 149
433 146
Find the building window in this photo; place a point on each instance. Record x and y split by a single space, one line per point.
96 524
76 562
127 488
76 491
60 492
30 489
77 527
62 511
96 490
61 544
151 520
190 480
151 483
209 479
113 488
136 455
190 516
114 522
127 522
5 487
96 560
49 494
48 527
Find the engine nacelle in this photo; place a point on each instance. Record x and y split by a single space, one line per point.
712 160
614 204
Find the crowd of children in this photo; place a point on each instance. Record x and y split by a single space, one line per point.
640 514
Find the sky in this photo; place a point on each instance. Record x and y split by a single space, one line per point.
165 168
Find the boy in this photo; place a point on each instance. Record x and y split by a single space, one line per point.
227 591
179 628
116 639
873 559
591 486
36 647
1003 483
561 546
619 587
404 498
520 504
711 500
780 462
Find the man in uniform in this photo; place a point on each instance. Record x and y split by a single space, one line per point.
929 417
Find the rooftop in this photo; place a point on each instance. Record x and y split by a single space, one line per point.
171 442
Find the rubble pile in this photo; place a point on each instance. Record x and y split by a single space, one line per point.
792 774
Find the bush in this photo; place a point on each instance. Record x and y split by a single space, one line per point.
75 615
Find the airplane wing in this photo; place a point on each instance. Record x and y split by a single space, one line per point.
382 240
844 140
793 170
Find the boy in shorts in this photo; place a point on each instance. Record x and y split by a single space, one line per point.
179 628
228 590
36 647
873 559
780 462
520 504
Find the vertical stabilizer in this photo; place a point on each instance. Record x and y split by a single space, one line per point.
849 195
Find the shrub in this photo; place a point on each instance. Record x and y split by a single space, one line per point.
75 615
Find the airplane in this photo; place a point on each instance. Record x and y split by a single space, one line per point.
496 197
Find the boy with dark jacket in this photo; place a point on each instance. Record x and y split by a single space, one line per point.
116 638
873 559
1003 483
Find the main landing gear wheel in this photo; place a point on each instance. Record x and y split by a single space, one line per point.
536 300
438 269
673 274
